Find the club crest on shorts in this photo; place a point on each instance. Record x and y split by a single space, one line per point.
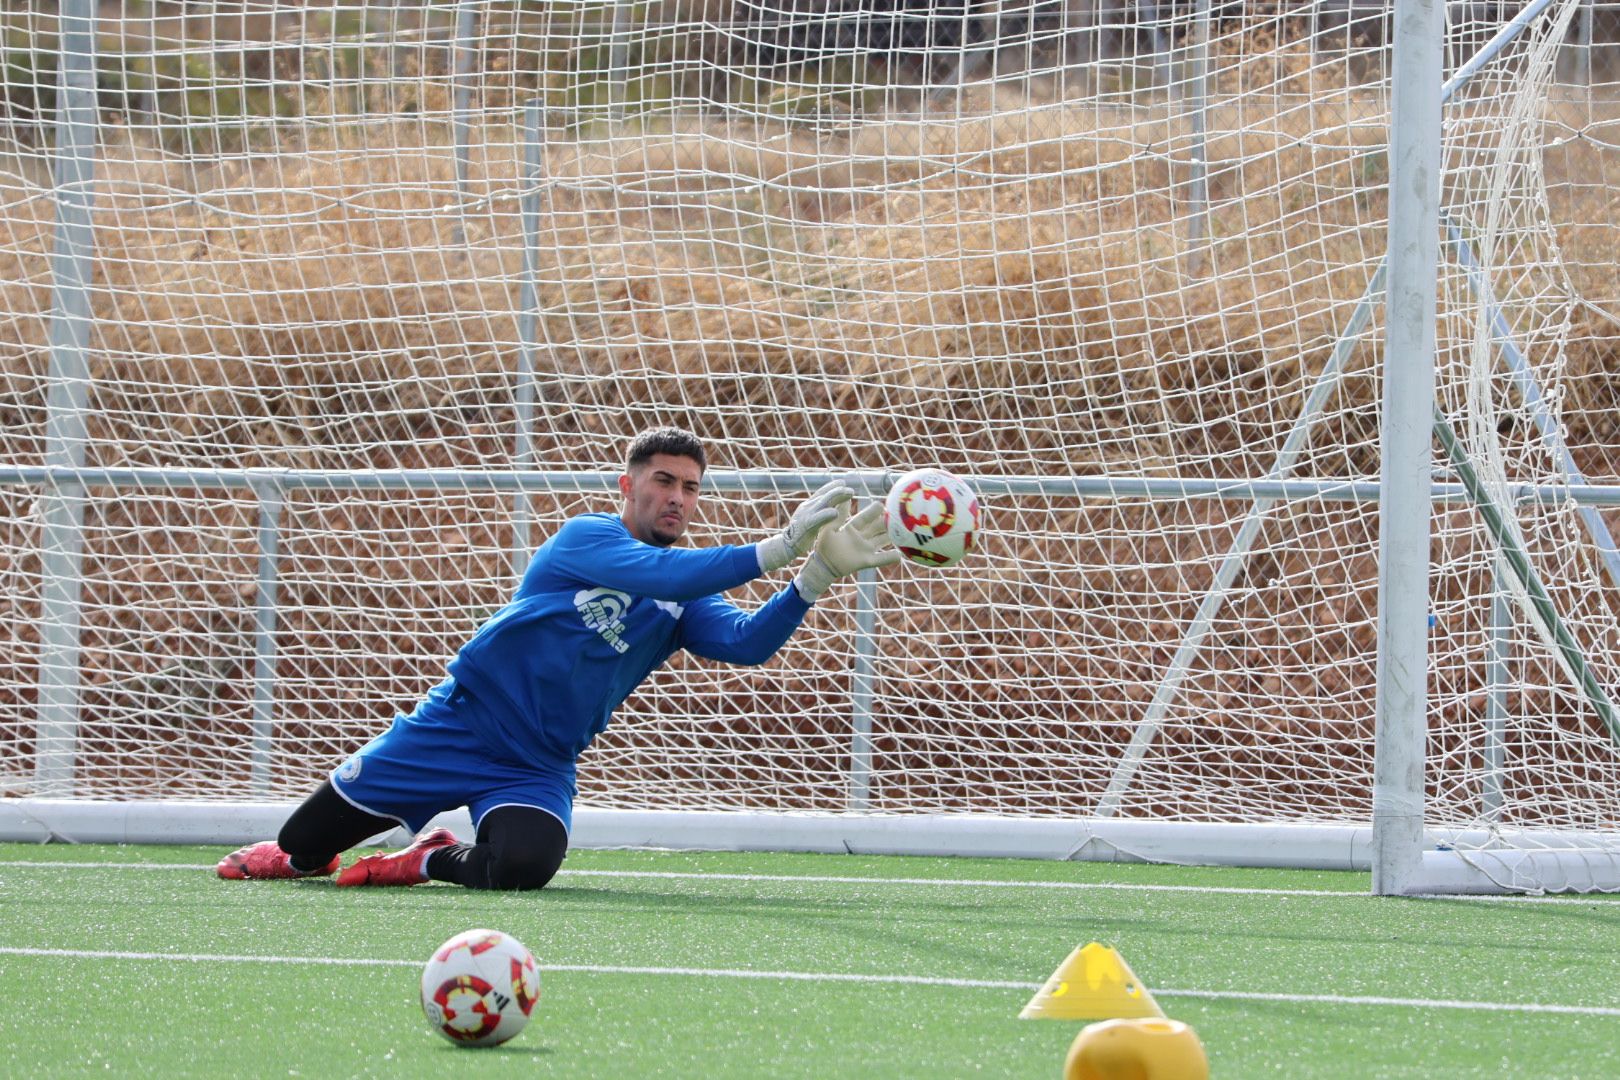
350 769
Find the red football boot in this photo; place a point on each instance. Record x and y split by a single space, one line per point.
407 867
265 861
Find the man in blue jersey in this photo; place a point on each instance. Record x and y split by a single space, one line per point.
603 603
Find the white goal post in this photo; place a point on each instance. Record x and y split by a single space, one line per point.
1299 438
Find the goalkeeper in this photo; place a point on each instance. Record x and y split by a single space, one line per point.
603 603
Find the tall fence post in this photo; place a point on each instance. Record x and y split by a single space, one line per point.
62 498
860 694
1406 449
463 55
1198 230
1498 644
265 616
619 59
523 389
1583 55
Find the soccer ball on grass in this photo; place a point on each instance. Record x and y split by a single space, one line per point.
479 988
932 517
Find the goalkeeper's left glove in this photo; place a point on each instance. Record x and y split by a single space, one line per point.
846 547
809 519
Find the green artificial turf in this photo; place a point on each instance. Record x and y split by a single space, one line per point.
728 975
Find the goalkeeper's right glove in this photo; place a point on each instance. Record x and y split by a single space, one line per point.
846 547
809 519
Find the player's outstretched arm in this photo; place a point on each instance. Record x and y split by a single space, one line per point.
850 545
807 521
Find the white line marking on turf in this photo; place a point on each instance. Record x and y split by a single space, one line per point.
590 969
1421 1003
833 976
826 879
814 879
1116 886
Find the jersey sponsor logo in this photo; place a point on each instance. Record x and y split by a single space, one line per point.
602 611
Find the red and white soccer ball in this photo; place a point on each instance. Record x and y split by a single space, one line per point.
479 988
932 517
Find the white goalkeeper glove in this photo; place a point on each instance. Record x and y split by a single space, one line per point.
850 545
802 528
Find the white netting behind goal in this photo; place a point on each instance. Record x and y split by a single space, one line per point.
1038 242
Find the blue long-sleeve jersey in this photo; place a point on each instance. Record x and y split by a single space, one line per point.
596 612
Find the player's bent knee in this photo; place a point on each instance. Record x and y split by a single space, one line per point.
523 846
522 870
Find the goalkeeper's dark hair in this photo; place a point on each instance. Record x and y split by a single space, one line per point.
664 440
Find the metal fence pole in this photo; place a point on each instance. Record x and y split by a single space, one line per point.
619 59
523 389
1198 230
860 694
265 617
464 54
67 403
1498 644
1583 56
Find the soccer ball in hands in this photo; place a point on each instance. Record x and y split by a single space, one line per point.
932 517
479 988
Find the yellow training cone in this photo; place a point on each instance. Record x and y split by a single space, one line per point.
1094 983
1137 1050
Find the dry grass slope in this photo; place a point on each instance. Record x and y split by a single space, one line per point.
1017 290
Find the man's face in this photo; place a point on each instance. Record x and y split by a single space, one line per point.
660 496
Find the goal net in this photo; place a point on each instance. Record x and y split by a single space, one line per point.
320 316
